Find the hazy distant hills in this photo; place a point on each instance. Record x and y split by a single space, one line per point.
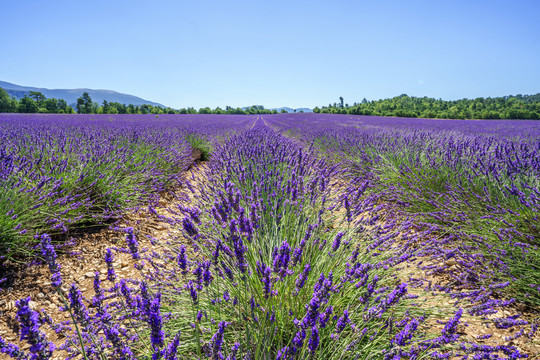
71 95
287 109
291 110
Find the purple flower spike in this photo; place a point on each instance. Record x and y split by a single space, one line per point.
132 243
157 336
301 280
314 340
217 340
192 292
343 321
282 257
109 258
215 253
11 350
28 319
402 338
267 281
337 241
182 260
298 340
77 306
190 227
451 326
239 251
312 315
98 291
172 349
48 252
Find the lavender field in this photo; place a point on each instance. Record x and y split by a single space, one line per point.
292 236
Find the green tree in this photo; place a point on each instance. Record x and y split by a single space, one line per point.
51 105
38 97
84 104
106 107
7 104
27 105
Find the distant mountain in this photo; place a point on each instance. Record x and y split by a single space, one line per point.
291 110
71 95
287 109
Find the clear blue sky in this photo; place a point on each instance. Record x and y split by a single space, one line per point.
274 53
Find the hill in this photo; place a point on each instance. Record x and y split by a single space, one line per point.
291 110
71 95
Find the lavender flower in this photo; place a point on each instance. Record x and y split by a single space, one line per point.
48 252
234 351
125 290
312 315
190 227
217 340
207 274
11 350
215 253
109 258
40 348
98 291
325 317
342 321
301 280
298 340
402 337
239 251
155 321
267 281
192 292
132 243
78 309
314 340
337 241
182 259
172 349
281 260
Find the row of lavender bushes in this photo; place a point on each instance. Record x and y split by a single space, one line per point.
60 172
281 268
476 182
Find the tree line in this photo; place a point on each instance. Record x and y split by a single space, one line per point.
36 102
504 107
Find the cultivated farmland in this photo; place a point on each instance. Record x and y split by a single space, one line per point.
290 236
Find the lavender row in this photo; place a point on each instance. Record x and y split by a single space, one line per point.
477 182
60 172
